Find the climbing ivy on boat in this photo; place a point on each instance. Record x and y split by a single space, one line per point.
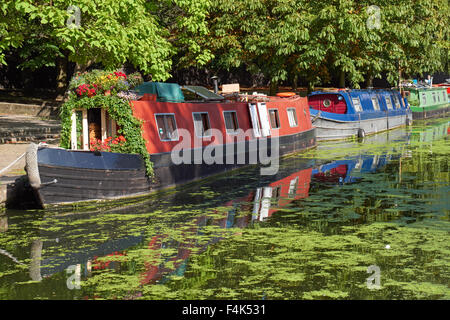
115 102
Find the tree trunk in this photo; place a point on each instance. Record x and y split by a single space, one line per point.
61 77
295 81
310 87
273 88
369 81
82 67
342 79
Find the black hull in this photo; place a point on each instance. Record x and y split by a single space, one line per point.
74 184
441 112
72 176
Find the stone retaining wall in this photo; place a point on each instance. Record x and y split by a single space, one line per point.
41 111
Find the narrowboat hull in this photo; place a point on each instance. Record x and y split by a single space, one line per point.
329 128
437 111
66 176
60 176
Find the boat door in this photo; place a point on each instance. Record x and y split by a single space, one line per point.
95 124
260 119
264 118
255 119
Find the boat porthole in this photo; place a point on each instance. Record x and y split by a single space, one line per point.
326 103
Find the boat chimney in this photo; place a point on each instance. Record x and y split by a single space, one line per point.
216 85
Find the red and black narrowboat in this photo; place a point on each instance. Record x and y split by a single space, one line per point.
187 139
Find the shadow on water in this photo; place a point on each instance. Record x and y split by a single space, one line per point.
310 232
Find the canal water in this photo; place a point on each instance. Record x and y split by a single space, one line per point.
346 220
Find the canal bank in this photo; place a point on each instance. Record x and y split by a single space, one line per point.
16 133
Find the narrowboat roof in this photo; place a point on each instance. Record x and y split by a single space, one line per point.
204 93
356 91
440 88
166 92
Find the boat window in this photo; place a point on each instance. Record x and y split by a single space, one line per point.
167 127
274 118
434 97
424 98
388 102
231 123
375 104
201 124
292 116
110 126
438 97
397 102
357 104
443 96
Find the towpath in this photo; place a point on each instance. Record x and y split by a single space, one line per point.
16 133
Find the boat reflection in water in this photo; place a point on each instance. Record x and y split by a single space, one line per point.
263 202
340 172
53 251
432 130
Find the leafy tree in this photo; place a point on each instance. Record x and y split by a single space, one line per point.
415 36
185 20
358 40
107 32
283 39
263 35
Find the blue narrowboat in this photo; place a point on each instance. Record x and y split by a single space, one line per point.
344 113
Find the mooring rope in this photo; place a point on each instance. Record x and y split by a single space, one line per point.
316 117
4 170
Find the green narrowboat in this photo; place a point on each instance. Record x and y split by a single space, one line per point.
428 102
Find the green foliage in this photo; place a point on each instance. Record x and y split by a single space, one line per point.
285 40
118 108
135 79
318 39
186 21
109 32
146 34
